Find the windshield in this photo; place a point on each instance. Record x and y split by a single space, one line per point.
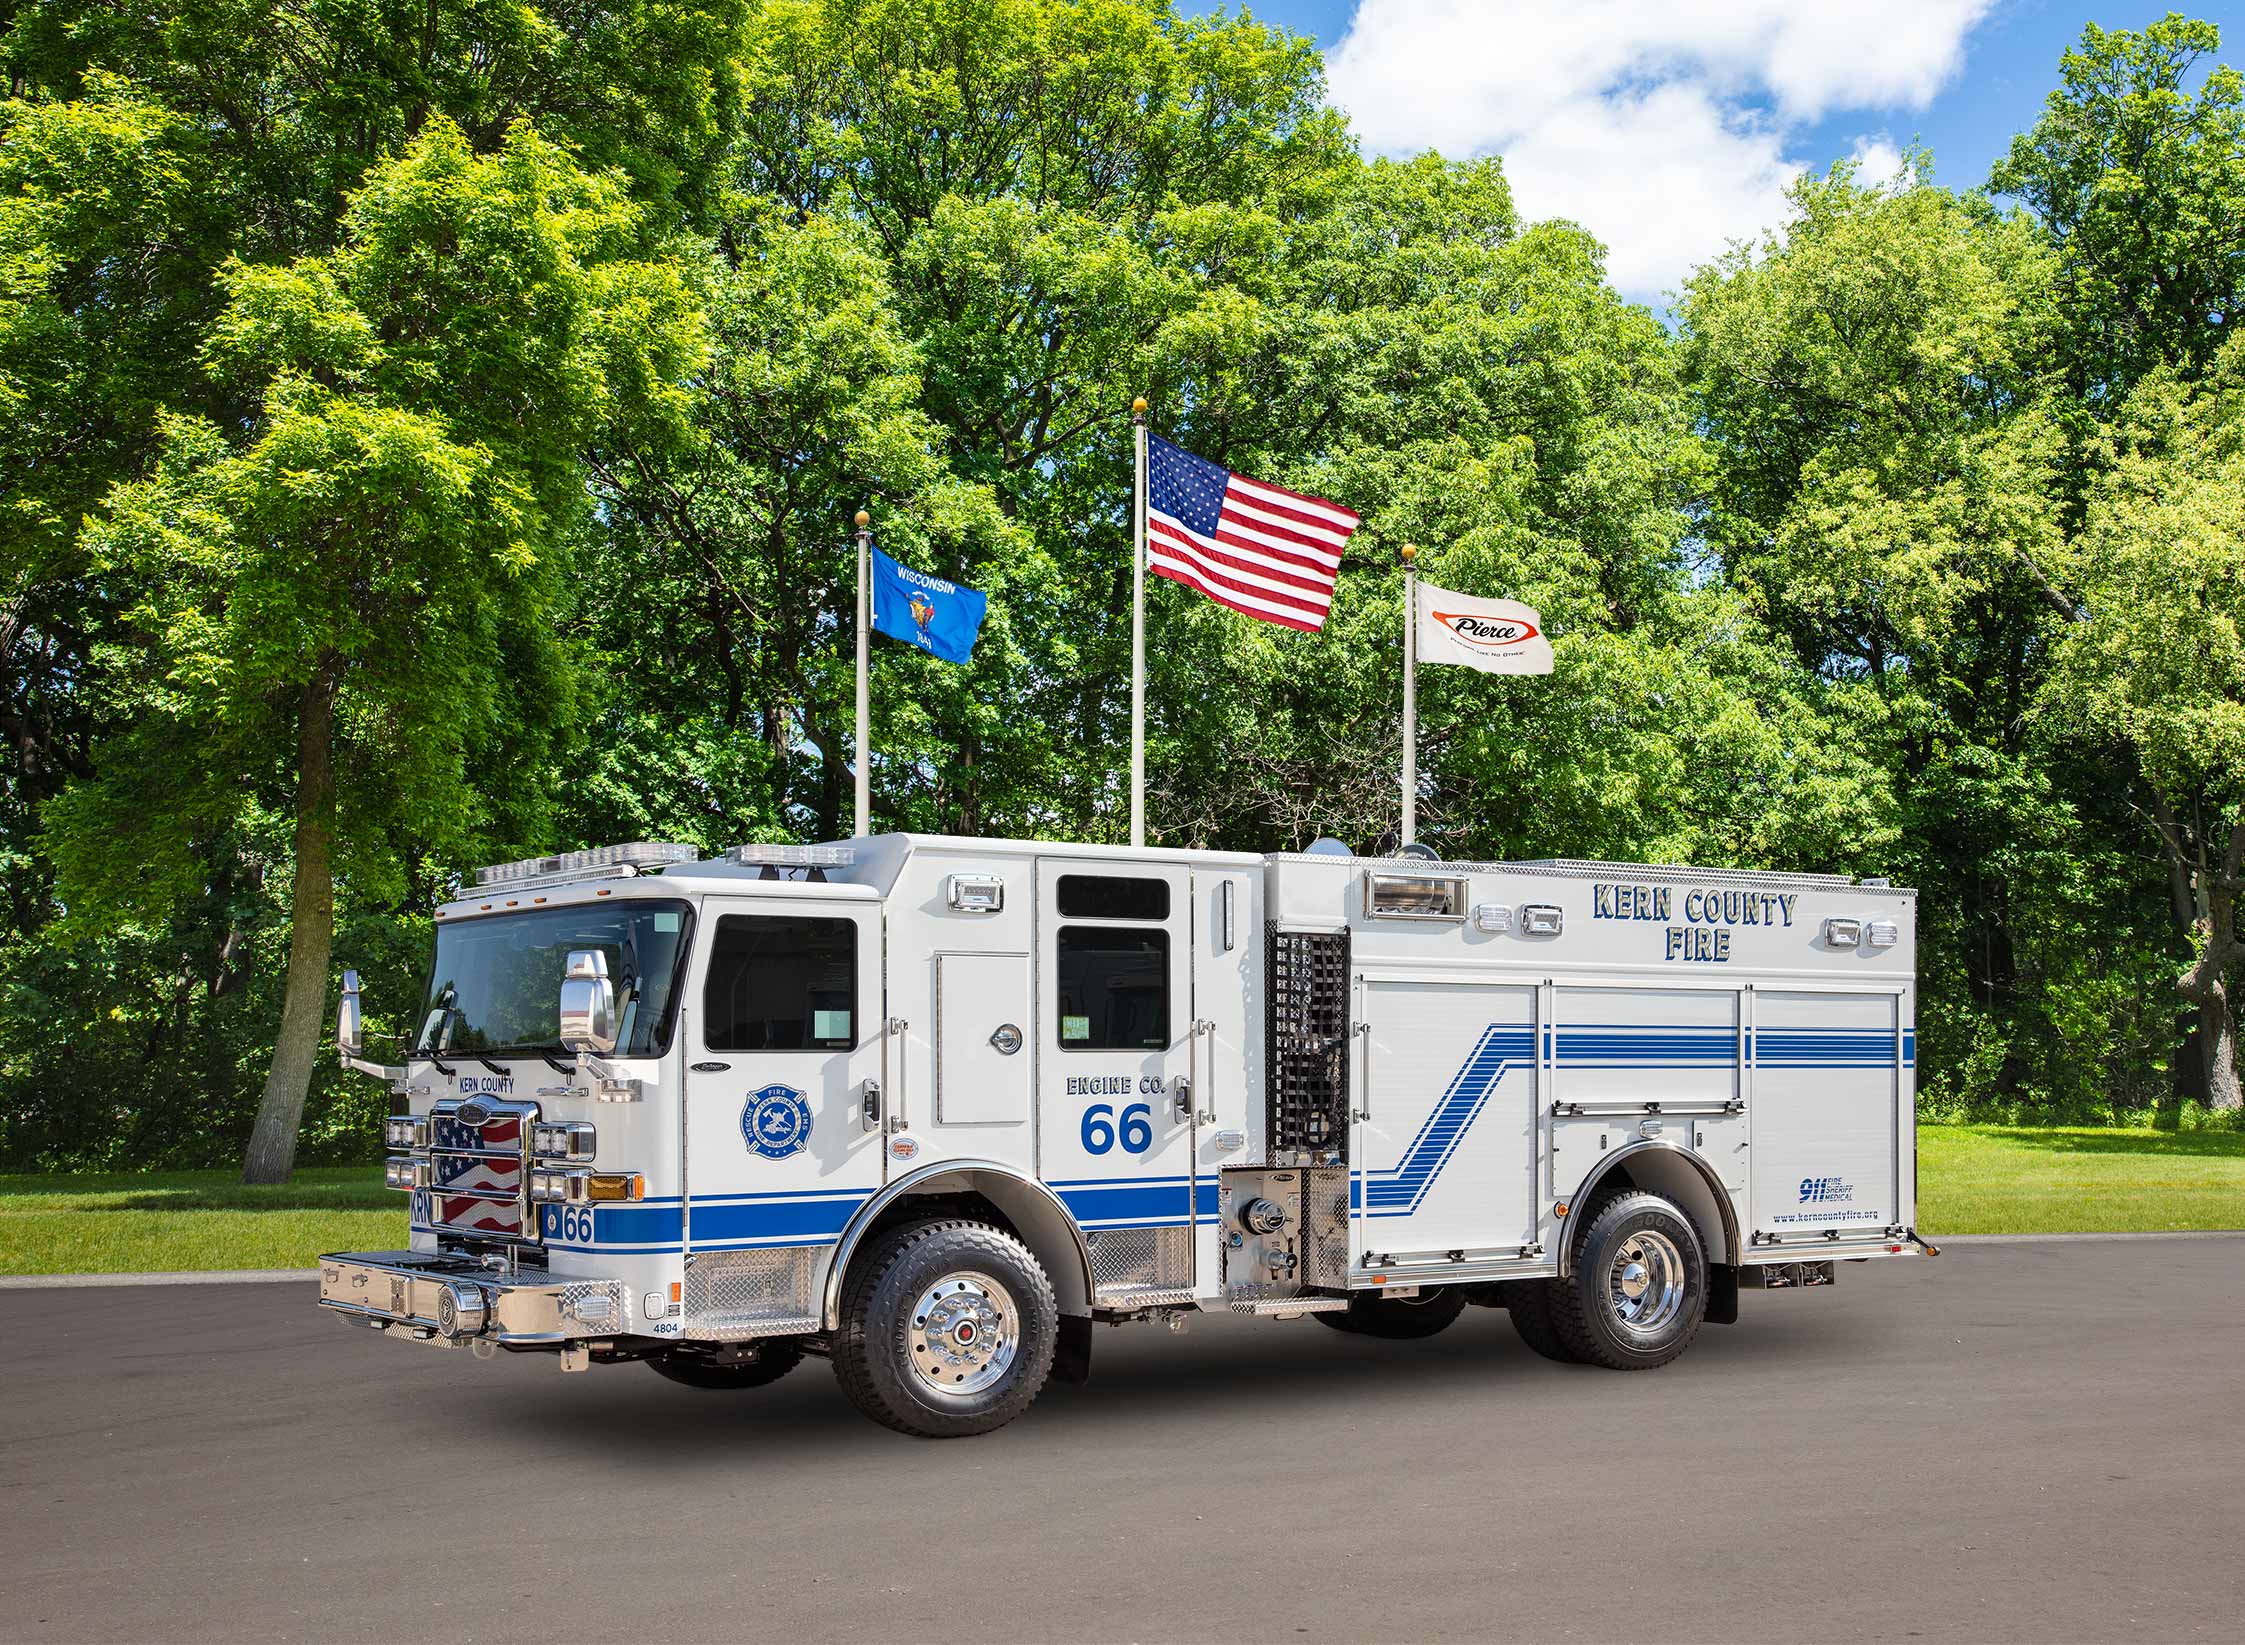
496 985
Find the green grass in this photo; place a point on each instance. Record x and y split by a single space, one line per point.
175 1220
1974 1179
2003 1179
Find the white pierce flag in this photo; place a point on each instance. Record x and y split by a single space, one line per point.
1495 636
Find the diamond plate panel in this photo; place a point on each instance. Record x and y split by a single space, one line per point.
1325 1215
601 1304
733 1295
1137 1267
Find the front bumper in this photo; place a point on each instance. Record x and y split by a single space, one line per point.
456 1299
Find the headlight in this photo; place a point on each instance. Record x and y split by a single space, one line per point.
559 1187
564 1139
405 1174
406 1131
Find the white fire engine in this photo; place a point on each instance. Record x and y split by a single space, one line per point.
934 1107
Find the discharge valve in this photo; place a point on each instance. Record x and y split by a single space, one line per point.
1263 1216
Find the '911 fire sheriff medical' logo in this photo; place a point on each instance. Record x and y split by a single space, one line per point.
776 1122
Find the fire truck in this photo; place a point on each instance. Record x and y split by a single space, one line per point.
935 1108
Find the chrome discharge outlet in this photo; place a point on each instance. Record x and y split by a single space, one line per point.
462 1309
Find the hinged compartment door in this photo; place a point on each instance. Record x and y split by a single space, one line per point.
1446 1137
983 1058
1827 1127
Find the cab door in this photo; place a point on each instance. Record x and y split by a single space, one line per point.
1115 1030
784 1049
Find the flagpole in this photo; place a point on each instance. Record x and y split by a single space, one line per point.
864 703
1138 630
1410 694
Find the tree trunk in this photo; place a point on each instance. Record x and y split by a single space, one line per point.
2206 983
2219 1040
311 938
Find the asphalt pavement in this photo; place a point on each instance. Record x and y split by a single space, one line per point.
2014 1442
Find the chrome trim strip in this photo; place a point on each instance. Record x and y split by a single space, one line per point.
855 1229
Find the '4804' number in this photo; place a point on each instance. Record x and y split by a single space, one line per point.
1101 1132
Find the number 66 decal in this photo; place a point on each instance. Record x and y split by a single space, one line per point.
1100 1135
572 1224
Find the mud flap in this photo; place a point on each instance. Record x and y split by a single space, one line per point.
1071 1355
1722 1294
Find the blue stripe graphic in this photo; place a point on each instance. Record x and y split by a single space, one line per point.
1397 1191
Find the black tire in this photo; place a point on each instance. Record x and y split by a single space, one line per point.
880 1352
772 1360
1528 1301
1401 1319
1590 1309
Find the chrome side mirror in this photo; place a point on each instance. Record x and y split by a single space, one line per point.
350 1021
588 1003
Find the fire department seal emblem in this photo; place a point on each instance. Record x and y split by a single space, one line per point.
776 1122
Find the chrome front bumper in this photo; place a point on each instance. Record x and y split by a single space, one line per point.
455 1300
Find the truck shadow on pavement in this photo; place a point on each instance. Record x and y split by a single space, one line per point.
1139 1375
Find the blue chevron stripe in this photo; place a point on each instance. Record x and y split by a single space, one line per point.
1397 1191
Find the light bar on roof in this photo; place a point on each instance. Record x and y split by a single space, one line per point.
638 855
793 856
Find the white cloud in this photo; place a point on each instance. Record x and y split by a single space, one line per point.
1660 125
1878 161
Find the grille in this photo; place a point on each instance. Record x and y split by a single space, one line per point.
478 1172
1307 1016
736 1294
1137 1267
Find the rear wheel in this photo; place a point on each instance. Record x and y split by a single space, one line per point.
1639 1287
948 1328
1529 1303
1399 1319
749 1367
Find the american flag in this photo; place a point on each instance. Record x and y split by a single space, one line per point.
1257 548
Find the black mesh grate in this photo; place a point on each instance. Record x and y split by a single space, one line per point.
1309 1051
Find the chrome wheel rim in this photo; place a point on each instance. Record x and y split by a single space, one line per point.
1645 1284
965 1334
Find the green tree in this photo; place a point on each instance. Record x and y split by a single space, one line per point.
1881 386
2157 663
2140 186
352 600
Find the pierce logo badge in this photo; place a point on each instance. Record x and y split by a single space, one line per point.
1488 633
776 1122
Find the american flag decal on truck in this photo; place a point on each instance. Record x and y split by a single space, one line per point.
476 1170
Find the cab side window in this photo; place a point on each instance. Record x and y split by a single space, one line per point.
1114 988
780 982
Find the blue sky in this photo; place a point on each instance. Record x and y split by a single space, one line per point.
1669 127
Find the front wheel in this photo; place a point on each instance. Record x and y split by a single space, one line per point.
948 1328
1639 1286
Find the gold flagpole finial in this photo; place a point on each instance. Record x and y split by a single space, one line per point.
1409 551
1138 406
863 519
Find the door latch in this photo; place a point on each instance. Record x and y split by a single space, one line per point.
1181 1096
870 1107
